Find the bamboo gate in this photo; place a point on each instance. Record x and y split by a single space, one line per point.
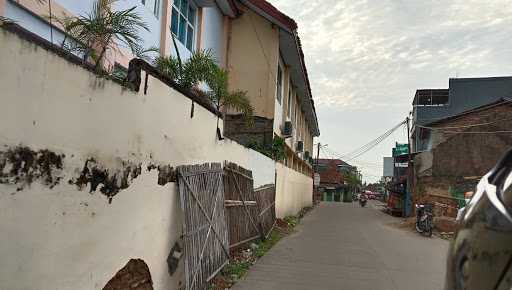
222 211
241 206
205 233
266 200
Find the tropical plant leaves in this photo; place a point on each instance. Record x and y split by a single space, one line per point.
103 29
201 70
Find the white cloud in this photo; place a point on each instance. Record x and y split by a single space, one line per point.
361 49
366 58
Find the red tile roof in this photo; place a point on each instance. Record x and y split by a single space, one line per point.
272 11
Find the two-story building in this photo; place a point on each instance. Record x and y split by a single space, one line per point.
253 40
463 94
265 58
458 134
335 179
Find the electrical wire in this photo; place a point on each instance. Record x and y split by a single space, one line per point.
360 163
365 148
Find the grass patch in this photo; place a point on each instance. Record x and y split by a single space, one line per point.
292 221
265 246
243 259
238 268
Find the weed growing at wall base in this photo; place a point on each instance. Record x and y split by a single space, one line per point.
242 260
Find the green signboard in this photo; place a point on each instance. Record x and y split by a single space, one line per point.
400 149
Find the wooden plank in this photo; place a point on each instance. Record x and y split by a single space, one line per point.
229 203
242 205
266 209
238 172
245 207
244 241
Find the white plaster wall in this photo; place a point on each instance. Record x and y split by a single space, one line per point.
30 22
213 32
294 191
81 7
150 38
65 238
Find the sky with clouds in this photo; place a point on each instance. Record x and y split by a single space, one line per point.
366 58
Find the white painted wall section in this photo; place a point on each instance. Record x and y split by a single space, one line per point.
294 191
213 32
66 238
31 22
146 11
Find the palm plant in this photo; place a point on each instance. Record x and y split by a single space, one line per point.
102 29
146 54
5 20
201 68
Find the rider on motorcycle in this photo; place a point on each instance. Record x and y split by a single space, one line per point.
362 199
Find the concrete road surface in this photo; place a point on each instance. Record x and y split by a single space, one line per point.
344 246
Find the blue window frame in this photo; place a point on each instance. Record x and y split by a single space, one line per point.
156 8
183 22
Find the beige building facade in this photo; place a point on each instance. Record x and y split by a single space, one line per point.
265 59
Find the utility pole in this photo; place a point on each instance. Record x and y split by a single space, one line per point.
408 192
315 169
317 154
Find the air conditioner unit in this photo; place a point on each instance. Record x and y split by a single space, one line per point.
287 129
306 155
300 146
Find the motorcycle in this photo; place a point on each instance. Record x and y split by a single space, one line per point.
362 201
424 219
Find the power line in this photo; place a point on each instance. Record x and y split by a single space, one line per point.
367 147
371 144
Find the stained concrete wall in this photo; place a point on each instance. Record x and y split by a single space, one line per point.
294 191
66 237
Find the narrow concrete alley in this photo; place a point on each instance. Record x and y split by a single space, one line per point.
344 246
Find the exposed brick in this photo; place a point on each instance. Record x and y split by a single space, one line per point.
135 275
236 128
456 156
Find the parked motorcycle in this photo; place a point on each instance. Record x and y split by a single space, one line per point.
424 219
362 201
